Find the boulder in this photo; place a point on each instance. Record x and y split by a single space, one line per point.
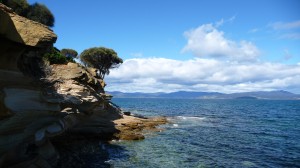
24 31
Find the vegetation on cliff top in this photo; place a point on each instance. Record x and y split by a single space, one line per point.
101 58
69 53
54 56
37 12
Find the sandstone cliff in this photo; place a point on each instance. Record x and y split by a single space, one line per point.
39 101
46 108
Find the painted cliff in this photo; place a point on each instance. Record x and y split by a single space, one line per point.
50 113
39 101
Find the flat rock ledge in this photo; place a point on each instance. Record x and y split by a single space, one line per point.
134 128
82 151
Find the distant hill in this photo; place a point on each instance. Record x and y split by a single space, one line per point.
278 95
281 95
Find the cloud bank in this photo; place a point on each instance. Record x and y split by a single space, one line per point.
220 65
168 75
208 41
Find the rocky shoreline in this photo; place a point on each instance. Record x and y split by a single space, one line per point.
51 115
79 150
132 128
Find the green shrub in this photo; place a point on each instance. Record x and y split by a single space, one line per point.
19 6
37 12
40 13
101 58
69 53
55 57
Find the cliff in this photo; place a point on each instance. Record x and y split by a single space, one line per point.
39 101
45 108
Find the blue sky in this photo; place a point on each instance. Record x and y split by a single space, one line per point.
171 45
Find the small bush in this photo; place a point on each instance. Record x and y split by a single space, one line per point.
40 13
37 12
19 6
55 57
69 53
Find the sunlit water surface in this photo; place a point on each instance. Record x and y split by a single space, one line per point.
212 133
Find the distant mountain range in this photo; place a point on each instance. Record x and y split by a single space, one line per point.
275 95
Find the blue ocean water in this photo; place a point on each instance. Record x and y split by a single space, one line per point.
213 133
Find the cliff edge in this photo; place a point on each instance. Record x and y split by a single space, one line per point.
43 107
39 101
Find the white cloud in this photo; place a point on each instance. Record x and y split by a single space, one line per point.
285 25
167 75
207 40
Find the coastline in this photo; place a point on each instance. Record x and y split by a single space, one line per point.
80 150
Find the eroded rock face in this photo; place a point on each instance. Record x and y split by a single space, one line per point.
39 102
24 117
45 109
21 30
70 99
81 96
23 43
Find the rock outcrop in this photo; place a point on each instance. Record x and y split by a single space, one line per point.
21 30
134 128
43 106
24 116
40 101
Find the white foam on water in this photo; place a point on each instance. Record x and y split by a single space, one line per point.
109 162
190 118
116 141
186 121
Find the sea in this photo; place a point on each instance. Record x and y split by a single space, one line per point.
212 133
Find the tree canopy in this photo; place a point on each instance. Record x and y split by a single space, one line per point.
40 13
67 52
37 12
101 58
54 56
19 6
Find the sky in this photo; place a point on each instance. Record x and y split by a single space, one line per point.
191 45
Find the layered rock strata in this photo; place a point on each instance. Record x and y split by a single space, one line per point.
134 128
44 107
40 101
